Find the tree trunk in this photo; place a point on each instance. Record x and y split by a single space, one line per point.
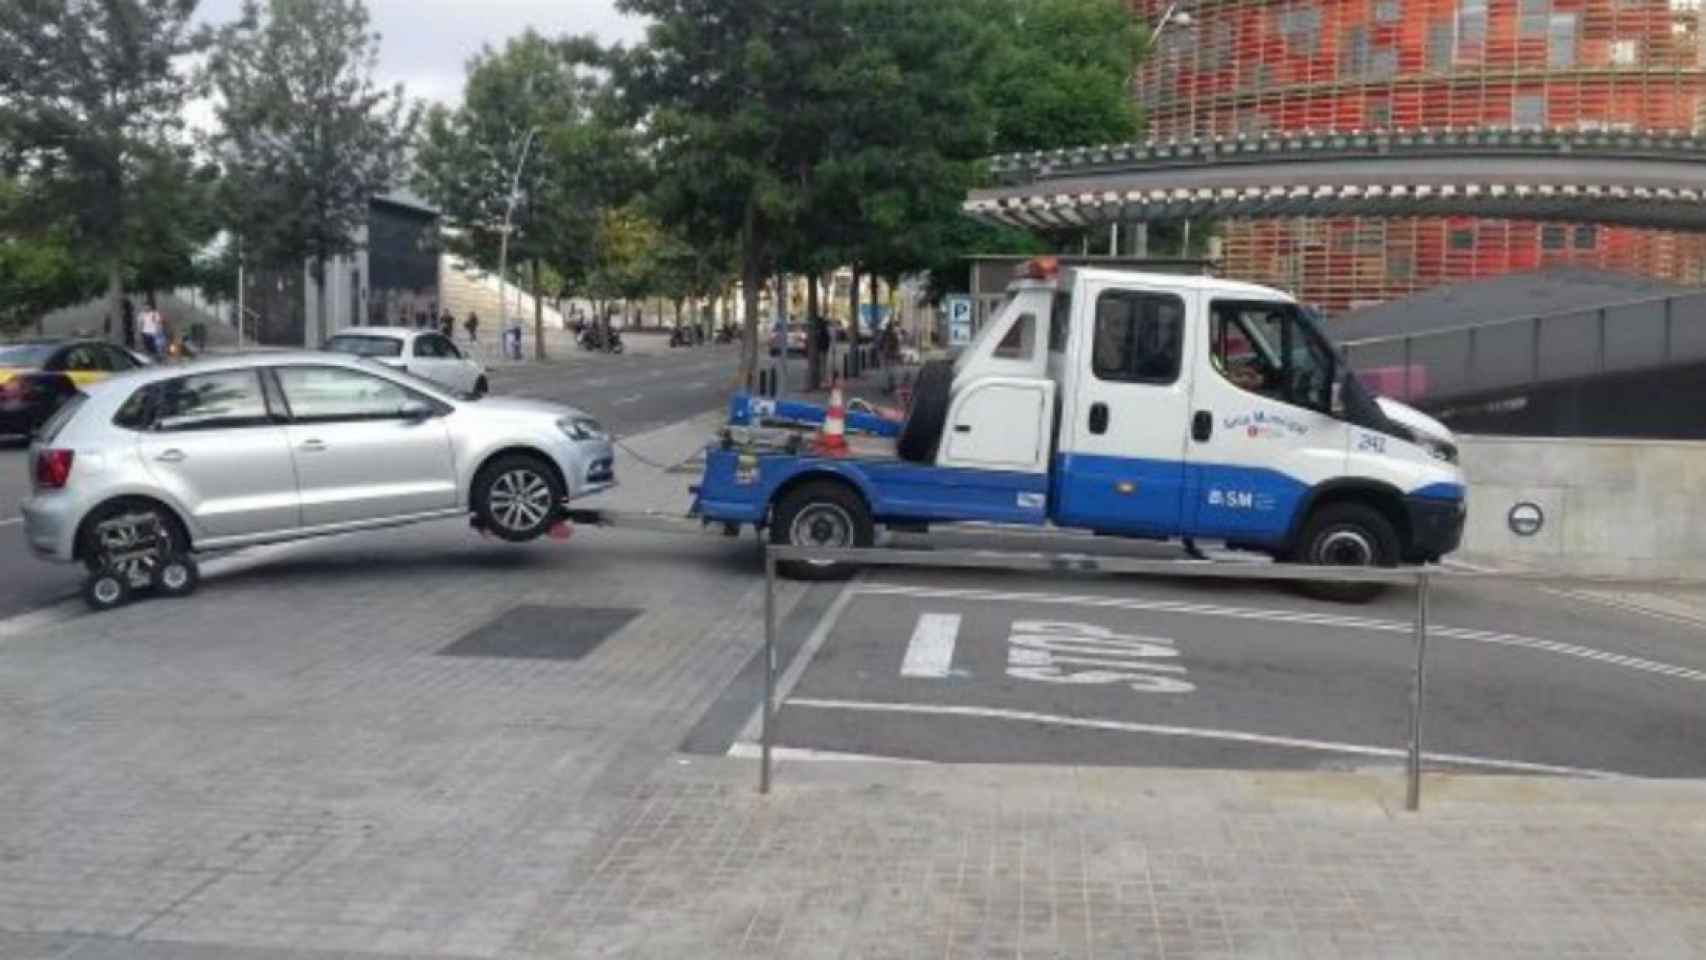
876 310
538 317
853 307
751 276
115 300
315 333
814 335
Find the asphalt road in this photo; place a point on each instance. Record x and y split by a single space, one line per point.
643 389
1102 670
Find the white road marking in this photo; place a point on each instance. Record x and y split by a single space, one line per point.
1297 616
1199 733
747 750
1629 606
931 652
14 521
636 398
808 652
695 385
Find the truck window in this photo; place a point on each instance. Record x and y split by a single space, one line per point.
1021 340
1060 323
1270 349
1138 337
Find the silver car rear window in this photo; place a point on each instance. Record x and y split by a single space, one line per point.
61 417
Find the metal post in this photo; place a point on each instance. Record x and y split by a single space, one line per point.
764 735
240 296
1413 792
1601 339
1669 323
1409 397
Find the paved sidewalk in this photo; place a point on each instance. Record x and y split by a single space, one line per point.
861 859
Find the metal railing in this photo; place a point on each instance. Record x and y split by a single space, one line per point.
1533 350
1420 579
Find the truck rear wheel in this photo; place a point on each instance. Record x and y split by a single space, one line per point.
1346 535
821 513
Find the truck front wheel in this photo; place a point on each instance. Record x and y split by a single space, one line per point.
1346 535
821 513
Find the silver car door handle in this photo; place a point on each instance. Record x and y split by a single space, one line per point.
313 446
171 456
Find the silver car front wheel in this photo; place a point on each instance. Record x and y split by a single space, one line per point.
517 497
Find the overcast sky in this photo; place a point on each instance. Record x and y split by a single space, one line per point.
425 43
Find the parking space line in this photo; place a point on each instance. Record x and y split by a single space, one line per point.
1573 650
11 521
931 652
1200 733
1627 606
636 398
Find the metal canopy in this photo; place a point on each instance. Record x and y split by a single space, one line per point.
1647 180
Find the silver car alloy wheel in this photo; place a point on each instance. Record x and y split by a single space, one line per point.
520 500
108 590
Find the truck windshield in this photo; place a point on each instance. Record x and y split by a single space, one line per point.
1272 349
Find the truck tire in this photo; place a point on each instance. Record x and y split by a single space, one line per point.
820 513
1346 534
928 414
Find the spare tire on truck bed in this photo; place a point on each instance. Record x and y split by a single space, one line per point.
928 415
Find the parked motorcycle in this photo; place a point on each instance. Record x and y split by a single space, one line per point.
600 339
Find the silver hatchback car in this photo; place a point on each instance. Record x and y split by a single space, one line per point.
282 446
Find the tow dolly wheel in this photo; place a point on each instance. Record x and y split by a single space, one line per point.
177 576
106 590
821 514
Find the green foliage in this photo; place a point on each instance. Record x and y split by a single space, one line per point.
580 160
39 270
91 99
1060 73
307 138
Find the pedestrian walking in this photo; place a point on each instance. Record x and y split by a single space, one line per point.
447 325
152 328
473 327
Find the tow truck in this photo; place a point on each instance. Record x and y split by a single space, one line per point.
1125 404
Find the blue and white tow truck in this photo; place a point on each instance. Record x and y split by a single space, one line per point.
1123 403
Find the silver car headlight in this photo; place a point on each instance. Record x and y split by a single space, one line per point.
581 428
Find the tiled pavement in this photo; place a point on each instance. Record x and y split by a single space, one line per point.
283 768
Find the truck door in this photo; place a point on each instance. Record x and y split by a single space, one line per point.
1121 466
1262 433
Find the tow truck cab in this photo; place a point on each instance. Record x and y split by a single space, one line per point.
1130 404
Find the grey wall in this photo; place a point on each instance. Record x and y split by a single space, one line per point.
1613 507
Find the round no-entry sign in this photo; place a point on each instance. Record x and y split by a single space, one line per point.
1526 519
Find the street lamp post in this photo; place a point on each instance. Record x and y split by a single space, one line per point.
503 241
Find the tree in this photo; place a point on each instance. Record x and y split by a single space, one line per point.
91 93
308 138
552 98
1059 73
732 94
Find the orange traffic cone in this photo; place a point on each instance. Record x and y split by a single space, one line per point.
832 439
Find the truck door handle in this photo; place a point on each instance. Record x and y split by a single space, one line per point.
313 446
1098 418
171 456
1202 426
962 428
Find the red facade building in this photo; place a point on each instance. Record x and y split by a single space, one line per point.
1254 66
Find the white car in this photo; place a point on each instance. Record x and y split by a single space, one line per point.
424 353
283 446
